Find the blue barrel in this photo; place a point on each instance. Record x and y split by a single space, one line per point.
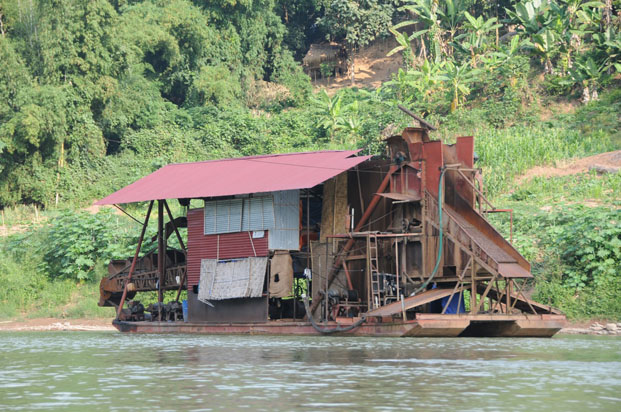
184 305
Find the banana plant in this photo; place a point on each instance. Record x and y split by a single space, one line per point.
451 17
427 77
428 14
545 46
505 54
330 108
590 76
405 45
532 16
476 36
418 84
608 48
352 123
459 77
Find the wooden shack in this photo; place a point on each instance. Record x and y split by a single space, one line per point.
332 55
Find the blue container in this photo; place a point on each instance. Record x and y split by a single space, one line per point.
184 305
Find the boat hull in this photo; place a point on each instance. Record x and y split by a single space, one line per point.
425 325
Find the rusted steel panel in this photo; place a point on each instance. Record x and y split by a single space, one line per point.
432 153
465 150
513 270
223 246
491 236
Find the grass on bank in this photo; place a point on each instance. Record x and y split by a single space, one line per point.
569 228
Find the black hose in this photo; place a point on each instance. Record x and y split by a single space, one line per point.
327 331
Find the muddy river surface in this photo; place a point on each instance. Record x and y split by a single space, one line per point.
89 371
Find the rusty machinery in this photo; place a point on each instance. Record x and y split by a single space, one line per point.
126 277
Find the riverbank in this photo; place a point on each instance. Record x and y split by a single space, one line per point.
104 324
594 328
57 324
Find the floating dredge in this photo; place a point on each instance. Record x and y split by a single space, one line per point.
328 243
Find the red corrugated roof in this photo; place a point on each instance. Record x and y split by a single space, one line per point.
243 175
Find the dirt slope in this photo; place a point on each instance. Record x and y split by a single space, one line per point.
610 160
372 68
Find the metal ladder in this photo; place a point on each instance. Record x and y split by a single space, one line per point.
374 272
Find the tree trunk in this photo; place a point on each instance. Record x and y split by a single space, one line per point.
607 13
351 58
423 49
549 69
586 95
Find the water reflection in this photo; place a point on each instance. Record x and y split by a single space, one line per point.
70 371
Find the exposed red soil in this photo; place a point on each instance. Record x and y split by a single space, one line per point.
608 159
371 68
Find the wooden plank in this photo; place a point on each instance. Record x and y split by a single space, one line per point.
411 302
522 303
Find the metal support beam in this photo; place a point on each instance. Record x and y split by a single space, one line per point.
161 253
172 222
473 289
133 266
487 289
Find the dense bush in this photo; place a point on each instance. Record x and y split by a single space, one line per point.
75 245
588 243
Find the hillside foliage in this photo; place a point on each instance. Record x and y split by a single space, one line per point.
96 94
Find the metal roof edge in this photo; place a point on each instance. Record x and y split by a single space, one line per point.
351 152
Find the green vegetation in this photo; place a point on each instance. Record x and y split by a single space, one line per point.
569 227
94 95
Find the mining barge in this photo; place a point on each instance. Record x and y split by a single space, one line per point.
327 242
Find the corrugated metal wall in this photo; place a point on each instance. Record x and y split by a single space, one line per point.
223 216
286 232
258 213
223 246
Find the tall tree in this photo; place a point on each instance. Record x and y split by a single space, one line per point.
357 23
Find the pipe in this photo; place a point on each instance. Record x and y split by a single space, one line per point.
327 331
133 266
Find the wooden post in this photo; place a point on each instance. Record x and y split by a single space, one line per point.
161 251
172 222
473 288
509 297
368 273
423 218
397 265
133 266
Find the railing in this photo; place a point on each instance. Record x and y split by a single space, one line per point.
147 281
456 233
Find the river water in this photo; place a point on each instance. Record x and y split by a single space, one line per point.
85 371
